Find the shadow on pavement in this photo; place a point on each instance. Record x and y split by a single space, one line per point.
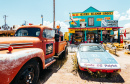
47 73
87 76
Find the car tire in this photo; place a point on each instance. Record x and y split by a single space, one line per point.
28 74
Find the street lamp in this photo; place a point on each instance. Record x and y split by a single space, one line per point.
42 19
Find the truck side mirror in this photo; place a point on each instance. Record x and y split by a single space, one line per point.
56 37
62 38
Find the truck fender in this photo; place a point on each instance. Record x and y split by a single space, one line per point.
12 63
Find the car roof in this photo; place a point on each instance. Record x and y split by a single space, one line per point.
88 44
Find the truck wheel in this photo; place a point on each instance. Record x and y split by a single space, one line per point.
28 74
65 53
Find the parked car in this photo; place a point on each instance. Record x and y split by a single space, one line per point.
95 58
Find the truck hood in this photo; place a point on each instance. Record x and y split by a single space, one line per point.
18 42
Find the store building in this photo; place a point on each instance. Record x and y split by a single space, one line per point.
93 26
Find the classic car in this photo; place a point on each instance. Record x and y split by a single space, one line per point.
93 57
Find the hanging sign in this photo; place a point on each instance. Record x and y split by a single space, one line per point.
71 30
82 20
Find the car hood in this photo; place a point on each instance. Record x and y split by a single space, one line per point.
98 57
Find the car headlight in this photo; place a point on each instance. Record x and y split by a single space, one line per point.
84 60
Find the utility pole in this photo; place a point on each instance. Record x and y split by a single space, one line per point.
25 22
5 21
53 13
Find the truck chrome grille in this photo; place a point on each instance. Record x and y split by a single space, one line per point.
16 45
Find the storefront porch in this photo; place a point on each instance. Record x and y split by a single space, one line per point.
93 35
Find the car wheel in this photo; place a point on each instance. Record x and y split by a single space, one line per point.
28 74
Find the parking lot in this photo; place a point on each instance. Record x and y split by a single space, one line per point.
63 72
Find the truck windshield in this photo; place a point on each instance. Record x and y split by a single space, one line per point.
34 32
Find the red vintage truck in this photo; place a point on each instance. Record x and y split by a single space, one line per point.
31 49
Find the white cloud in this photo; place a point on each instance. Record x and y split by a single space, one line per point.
127 25
116 15
64 26
128 12
125 16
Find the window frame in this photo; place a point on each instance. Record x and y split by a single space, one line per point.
89 22
45 30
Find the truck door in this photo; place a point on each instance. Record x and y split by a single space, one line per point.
48 43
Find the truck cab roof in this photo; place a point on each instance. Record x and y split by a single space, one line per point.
36 26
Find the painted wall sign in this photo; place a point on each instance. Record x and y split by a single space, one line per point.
92 29
101 28
100 19
71 30
108 28
94 13
108 18
49 48
82 20
77 29
88 29
83 29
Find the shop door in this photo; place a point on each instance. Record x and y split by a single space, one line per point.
90 38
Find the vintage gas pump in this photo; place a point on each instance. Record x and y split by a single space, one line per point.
121 38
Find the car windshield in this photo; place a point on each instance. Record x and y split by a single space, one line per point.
34 32
91 48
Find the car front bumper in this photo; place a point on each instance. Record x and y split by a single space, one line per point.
100 70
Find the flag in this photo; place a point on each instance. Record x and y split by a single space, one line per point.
125 33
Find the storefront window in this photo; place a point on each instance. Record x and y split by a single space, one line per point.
90 21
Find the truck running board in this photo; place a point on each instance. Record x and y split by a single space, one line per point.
49 61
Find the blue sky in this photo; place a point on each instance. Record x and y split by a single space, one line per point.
30 10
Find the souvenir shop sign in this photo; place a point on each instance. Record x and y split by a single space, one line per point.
93 13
